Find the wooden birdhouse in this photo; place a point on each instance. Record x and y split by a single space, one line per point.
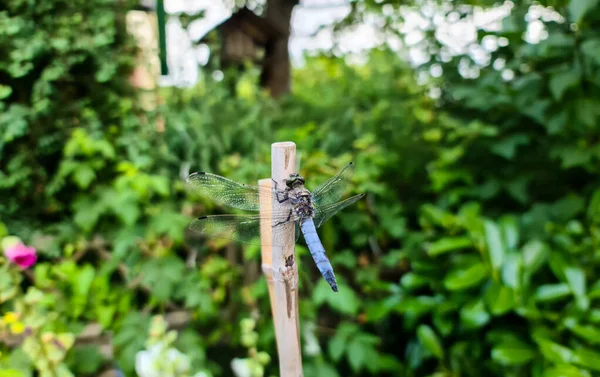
244 36
263 41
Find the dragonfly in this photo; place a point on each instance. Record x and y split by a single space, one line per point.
291 204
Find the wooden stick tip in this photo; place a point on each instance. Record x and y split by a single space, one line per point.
284 144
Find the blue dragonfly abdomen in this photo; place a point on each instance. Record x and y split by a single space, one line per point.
318 252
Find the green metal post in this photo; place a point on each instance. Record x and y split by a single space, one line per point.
162 37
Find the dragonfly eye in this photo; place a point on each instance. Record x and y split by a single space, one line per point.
294 180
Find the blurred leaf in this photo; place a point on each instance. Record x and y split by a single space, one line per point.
430 340
594 207
459 279
507 147
413 281
576 280
320 369
563 80
554 352
448 244
512 271
535 254
499 299
565 370
513 354
345 301
356 355
588 332
5 91
339 343
92 356
552 292
579 8
510 231
495 245
587 358
474 315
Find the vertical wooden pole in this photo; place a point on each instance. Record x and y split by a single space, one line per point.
266 235
282 289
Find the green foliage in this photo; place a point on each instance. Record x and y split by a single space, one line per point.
474 253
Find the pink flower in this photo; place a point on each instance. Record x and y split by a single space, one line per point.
21 255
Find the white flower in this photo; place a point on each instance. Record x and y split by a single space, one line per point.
145 364
179 361
241 367
159 361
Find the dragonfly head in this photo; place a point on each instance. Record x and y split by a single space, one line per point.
294 180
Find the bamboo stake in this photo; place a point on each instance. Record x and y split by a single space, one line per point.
280 268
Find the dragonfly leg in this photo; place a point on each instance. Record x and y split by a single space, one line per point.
286 220
285 195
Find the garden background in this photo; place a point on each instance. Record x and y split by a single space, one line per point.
476 251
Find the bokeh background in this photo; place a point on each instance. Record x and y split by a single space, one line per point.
474 126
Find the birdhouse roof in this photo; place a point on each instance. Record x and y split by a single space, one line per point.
256 27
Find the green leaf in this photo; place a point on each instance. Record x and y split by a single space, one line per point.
5 91
412 281
507 147
576 280
356 355
465 278
12 373
512 270
513 354
579 8
510 231
594 207
336 347
565 370
338 344
430 340
563 80
345 301
83 175
587 358
535 254
92 356
499 299
416 306
389 363
495 245
448 244
552 292
588 332
321 369
555 352
474 315
591 48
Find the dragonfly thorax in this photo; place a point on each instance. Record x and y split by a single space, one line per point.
301 200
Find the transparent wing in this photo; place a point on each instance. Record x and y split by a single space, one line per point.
322 214
244 228
230 193
332 190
